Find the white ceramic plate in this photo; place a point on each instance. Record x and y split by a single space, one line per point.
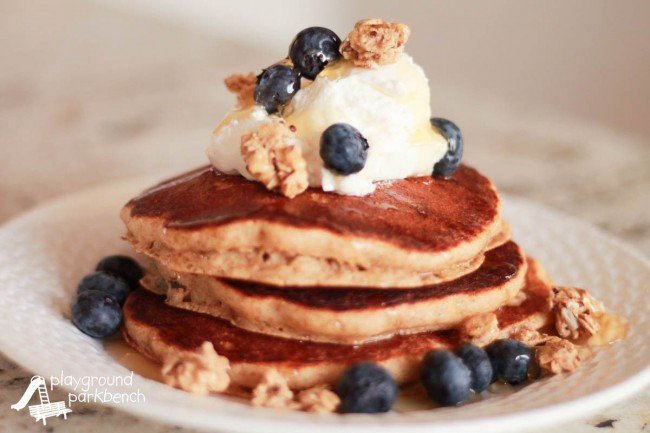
44 253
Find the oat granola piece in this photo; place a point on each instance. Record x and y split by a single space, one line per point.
273 158
199 372
530 337
176 295
318 400
273 391
576 312
375 42
557 355
243 86
481 329
553 354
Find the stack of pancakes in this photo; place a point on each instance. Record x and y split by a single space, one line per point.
313 284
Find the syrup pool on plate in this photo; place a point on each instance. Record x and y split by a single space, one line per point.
411 397
612 328
131 359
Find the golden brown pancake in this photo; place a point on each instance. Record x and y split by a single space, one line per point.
157 329
349 315
408 233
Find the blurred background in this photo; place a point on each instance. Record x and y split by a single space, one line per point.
553 99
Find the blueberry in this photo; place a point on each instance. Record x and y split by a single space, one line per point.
122 266
275 87
366 388
312 49
106 283
343 149
445 377
479 365
510 360
450 162
97 314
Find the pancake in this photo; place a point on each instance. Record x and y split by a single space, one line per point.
408 233
349 315
157 329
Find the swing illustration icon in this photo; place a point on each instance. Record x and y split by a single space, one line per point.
40 412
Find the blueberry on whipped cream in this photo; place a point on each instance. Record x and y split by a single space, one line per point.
313 49
276 85
343 149
450 162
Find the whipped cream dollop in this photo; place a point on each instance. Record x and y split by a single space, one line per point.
388 104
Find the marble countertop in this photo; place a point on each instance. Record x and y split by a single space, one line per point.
78 111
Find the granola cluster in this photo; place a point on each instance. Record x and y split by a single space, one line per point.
176 295
530 337
272 158
375 42
553 354
557 355
243 86
577 316
200 372
273 391
576 312
481 329
318 400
